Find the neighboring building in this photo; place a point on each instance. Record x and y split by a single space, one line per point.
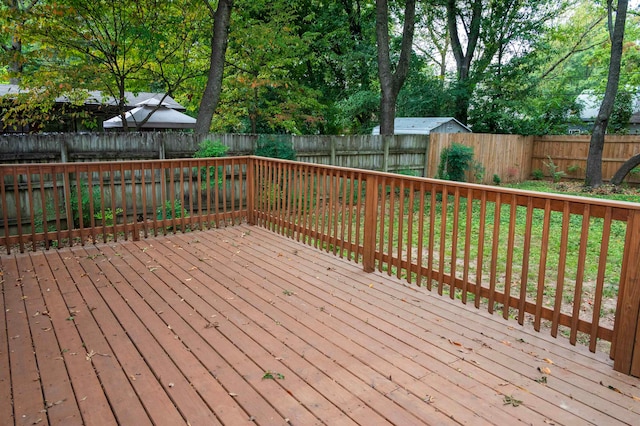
425 125
152 115
590 108
96 107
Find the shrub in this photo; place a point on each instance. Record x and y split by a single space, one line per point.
208 149
273 147
84 203
168 210
478 171
455 160
537 174
554 170
496 179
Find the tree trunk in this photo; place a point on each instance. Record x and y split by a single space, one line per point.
391 82
219 38
463 59
625 169
16 67
596 145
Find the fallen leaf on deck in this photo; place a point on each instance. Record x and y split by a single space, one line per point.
611 387
547 360
510 400
233 394
544 370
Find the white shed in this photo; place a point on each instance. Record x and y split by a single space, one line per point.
425 125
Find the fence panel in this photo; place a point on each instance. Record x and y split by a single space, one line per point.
507 156
569 155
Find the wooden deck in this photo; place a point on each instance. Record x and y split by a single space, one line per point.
243 326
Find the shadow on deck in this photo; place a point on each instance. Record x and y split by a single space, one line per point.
243 326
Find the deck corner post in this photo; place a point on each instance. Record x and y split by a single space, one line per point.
251 190
626 345
370 223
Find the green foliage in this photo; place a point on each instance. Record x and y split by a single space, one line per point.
408 172
208 149
109 216
275 147
171 210
478 171
537 174
622 112
554 171
84 202
496 179
455 160
574 168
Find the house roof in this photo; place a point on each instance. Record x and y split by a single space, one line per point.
420 125
96 97
591 106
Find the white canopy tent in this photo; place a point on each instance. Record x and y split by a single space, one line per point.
161 116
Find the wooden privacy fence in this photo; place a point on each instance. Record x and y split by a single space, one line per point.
544 258
569 154
512 158
507 156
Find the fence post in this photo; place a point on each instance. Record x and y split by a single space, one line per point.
332 142
627 322
370 223
386 141
427 144
64 152
251 191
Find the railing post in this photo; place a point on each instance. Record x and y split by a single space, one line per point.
370 223
627 322
251 191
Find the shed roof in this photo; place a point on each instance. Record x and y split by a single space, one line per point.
421 125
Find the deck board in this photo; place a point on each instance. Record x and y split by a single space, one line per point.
182 329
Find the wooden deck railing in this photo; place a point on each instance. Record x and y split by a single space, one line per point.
69 203
567 264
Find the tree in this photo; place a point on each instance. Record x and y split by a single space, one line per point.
16 13
391 81
494 31
266 87
219 39
596 144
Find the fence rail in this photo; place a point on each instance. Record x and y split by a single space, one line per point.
566 264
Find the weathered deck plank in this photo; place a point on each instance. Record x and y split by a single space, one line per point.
182 329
